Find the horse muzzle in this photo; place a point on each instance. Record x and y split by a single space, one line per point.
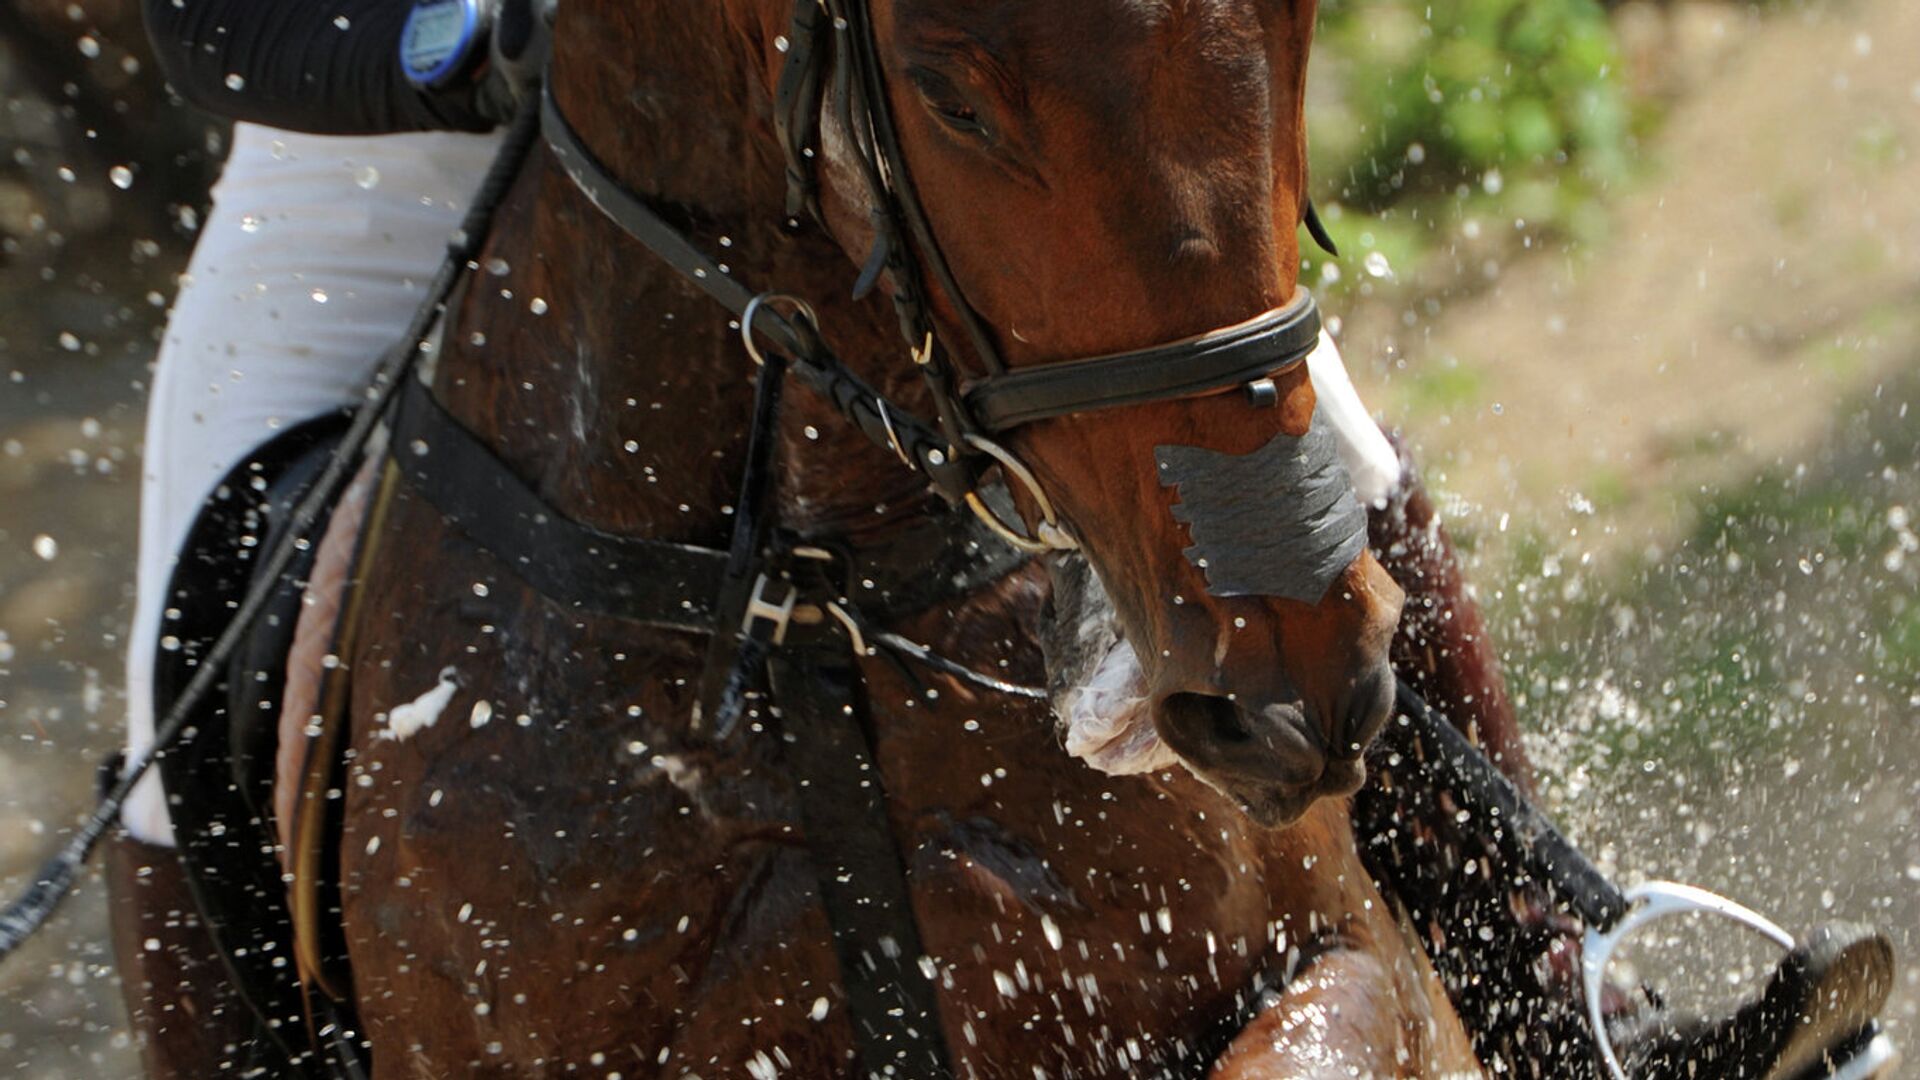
1276 760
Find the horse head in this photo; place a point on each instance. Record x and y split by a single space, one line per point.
1103 177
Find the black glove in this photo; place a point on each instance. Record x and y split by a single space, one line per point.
520 42
488 87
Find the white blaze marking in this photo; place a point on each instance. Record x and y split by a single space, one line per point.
406 721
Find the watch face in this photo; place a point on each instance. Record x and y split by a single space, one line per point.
437 38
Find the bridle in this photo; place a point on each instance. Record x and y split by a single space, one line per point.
832 61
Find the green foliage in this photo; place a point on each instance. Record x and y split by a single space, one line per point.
1431 95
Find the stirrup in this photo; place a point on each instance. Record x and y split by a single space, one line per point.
1814 1020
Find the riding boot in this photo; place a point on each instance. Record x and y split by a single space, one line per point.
1509 959
185 1015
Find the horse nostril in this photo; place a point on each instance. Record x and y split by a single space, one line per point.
1194 719
1229 723
1231 744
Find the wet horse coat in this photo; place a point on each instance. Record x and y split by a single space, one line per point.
557 872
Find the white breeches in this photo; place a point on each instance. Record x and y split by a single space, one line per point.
309 266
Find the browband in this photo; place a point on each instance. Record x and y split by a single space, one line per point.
1216 361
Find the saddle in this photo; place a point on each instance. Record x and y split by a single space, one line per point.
220 775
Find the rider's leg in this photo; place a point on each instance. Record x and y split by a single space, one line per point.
188 1021
307 269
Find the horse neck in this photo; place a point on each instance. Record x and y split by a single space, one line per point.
612 384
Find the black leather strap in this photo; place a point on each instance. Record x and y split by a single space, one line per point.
881 421
650 581
1521 831
891 1002
796 108
1217 361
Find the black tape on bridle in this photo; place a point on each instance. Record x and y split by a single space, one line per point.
1281 521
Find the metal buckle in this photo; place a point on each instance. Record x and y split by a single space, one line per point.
1048 536
893 437
753 309
1647 903
780 615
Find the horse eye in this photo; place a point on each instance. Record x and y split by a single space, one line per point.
946 103
959 117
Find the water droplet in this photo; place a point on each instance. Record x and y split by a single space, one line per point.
480 588
69 341
249 223
89 46
482 712
819 1010
1051 929
121 176
1493 182
46 547
781 44
367 177
342 22
537 306
497 266
319 296
1377 265
236 81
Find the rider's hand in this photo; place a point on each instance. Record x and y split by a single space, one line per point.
520 41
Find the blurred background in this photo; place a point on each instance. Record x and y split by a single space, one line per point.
1638 282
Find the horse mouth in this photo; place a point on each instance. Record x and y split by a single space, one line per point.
1276 807
1274 763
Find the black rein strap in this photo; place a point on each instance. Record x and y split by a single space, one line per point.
1518 828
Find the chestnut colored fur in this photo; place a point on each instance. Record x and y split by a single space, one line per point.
576 882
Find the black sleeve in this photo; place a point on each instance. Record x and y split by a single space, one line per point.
328 67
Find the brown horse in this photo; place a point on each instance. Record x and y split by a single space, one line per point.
544 867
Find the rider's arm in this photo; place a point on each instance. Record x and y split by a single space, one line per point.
329 67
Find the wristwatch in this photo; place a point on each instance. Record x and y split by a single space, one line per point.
440 41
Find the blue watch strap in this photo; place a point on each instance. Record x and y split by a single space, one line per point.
438 40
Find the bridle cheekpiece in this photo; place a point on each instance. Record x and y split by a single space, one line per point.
830 49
